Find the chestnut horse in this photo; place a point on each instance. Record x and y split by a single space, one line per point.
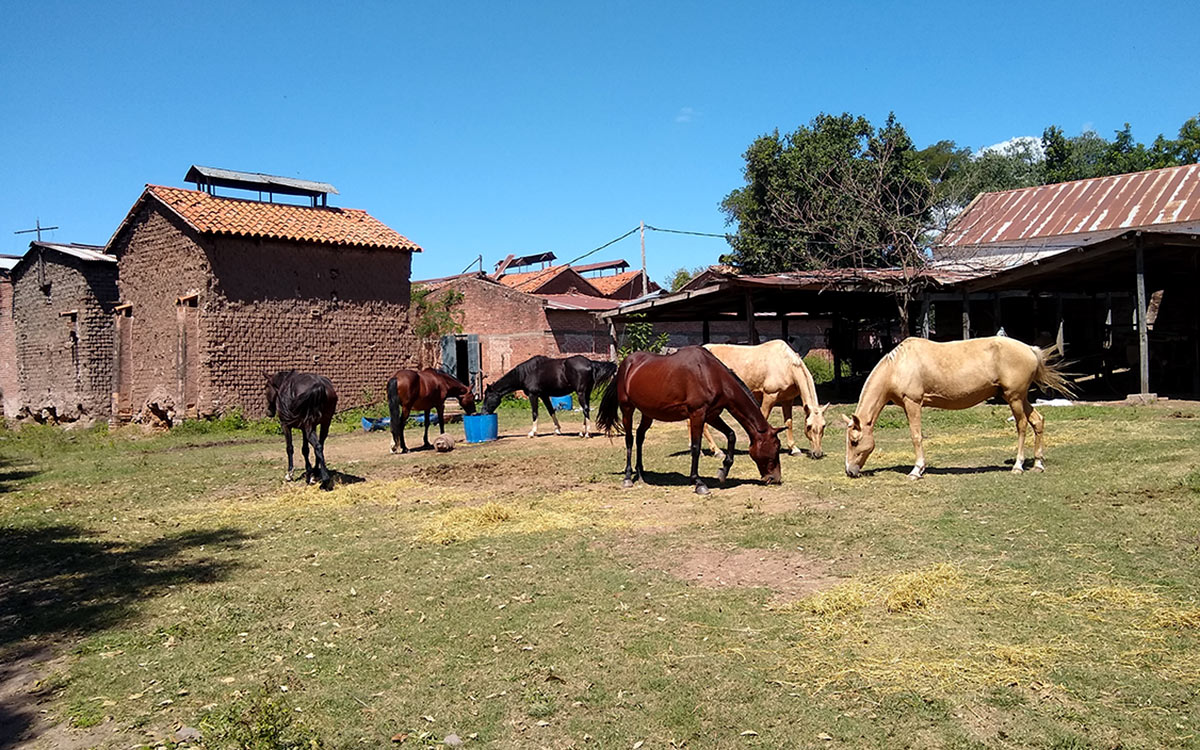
776 374
541 377
690 384
423 390
953 375
306 402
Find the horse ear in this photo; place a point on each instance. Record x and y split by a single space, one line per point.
778 430
826 406
849 422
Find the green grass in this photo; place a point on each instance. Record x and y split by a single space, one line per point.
513 592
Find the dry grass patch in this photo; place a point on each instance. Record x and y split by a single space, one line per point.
492 518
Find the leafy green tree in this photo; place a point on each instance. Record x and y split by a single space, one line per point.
640 336
437 315
681 276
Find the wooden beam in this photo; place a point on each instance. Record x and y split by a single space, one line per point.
966 316
1143 333
926 312
752 333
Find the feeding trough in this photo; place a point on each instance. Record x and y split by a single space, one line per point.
369 424
481 428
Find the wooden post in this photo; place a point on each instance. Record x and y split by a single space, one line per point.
645 278
751 332
704 332
966 316
783 327
612 340
926 311
1058 312
1143 334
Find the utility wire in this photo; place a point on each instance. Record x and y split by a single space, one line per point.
606 244
682 231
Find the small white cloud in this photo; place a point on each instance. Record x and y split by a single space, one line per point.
686 114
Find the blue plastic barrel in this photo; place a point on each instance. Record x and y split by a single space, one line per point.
481 428
562 403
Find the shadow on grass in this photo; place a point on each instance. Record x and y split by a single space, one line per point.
949 470
63 581
676 479
10 475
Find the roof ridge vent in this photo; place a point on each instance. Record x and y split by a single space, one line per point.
210 178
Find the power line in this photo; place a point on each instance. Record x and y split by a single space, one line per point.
684 231
606 244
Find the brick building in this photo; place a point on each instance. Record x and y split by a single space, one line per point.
215 291
63 298
503 327
9 390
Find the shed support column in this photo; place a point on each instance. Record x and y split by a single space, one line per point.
1058 313
751 332
966 316
704 333
1143 335
926 311
783 327
612 340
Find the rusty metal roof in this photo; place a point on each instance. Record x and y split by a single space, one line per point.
1156 198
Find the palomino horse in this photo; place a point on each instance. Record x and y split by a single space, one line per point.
423 390
953 375
690 384
776 374
307 402
542 377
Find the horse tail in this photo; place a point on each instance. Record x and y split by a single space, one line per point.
393 391
1050 373
606 413
602 372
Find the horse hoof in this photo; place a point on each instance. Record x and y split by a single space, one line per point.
1016 469
1038 466
532 435
288 477
627 483
721 475
797 452
701 489
719 456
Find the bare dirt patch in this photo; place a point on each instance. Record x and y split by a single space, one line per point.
24 723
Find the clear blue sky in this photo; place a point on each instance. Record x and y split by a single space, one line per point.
526 127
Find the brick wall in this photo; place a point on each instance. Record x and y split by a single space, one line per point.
260 306
9 388
64 362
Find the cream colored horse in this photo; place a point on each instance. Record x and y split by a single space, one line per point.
776 374
953 375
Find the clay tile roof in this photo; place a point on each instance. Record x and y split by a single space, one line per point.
1118 202
530 281
610 284
247 218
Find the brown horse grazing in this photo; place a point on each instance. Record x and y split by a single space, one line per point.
423 390
953 375
690 384
307 402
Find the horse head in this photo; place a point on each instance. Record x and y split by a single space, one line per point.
860 442
272 391
466 400
764 449
491 399
814 428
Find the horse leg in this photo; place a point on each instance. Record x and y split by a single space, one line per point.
696 423
550 408
1039 425
304 450
403 422
398 430
1020 408
641 438
712 443
583 401
324 433
441 408
427 444
319 457
287 439
533 401
913 410
627 423
730 439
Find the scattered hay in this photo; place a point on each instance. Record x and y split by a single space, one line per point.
1120 597
1177 618
920 588
838 601
470 522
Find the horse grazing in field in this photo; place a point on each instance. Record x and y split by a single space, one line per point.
690 384
423 390
953 375
306 402
542 377
776 374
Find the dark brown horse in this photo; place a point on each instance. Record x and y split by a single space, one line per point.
423 390
307 402
694 385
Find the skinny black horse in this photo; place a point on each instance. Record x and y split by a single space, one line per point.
306 402
541 377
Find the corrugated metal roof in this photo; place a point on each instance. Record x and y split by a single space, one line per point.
576 301
91 253
1156 198
8 261
256 181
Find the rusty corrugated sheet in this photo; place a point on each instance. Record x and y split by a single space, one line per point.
1142 199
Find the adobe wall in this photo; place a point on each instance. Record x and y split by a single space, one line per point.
10 391
64 362
337 311
578 332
